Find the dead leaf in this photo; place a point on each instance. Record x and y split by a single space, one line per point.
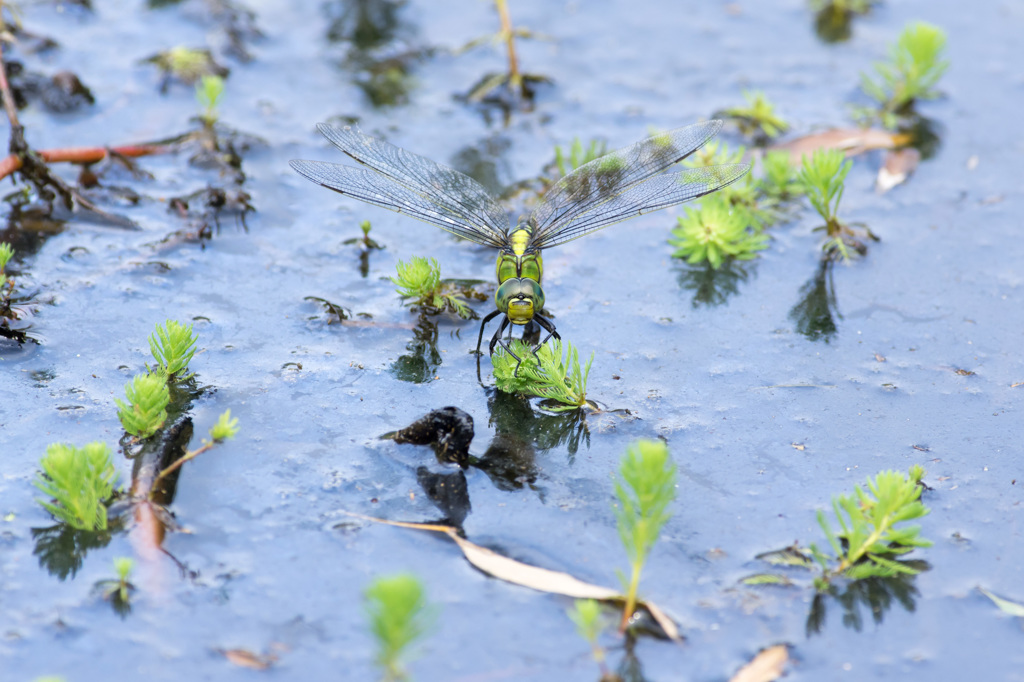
853 141
898 165
536 578
879 357
768 665
247 659
798 446
1005 605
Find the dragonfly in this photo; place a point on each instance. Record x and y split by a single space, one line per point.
610 189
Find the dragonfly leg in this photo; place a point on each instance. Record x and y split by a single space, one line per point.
549 327
497 336
480 339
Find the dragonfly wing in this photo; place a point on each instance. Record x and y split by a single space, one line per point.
374 188
655 193
595 183
453 193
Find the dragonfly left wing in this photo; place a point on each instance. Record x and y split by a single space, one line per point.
656 193
454 194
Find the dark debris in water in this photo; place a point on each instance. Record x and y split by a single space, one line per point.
448 430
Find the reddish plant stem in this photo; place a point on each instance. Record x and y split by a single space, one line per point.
81 155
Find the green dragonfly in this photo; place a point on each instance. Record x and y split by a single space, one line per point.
612 188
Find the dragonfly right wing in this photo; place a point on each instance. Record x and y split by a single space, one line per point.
408 183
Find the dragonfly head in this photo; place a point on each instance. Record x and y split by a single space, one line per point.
520 299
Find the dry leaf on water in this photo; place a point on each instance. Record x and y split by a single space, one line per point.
247 659
1005 605
899 164
533 577
768 665
853 141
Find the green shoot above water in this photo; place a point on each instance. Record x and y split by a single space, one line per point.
914 68
419 282
578 155
398 613
868 540
715 230
552 373
208 93
172 346
822 177
645 491
590 623
758 119
146 409
6 253
80 481
121 587
224 429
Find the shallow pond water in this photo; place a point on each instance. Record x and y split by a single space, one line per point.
777 384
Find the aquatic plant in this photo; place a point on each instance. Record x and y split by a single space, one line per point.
778 177
119 588
868 541
578 155
552 372
365 242
399 615
590 623
646 488
518 84
225 428
419 283
80 481
844 6
914 68
822 176
714 231
145 411
172 346
208 93
758 119
187 64
6 254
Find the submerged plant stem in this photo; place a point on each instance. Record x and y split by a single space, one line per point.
515 79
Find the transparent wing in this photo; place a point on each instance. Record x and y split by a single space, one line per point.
374 188
595 183
653 194
412 184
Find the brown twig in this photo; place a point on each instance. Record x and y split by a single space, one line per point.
13 162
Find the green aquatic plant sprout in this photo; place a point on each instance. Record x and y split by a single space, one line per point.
914 68
646 488
173 346
399 615
419 283
758 119
714 231
80 481
578 155
822 178
145 411
208 93
224 429
121 587
6 254
778 177
868 540
552 373
590 622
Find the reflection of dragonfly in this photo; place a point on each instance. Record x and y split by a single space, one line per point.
608 190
